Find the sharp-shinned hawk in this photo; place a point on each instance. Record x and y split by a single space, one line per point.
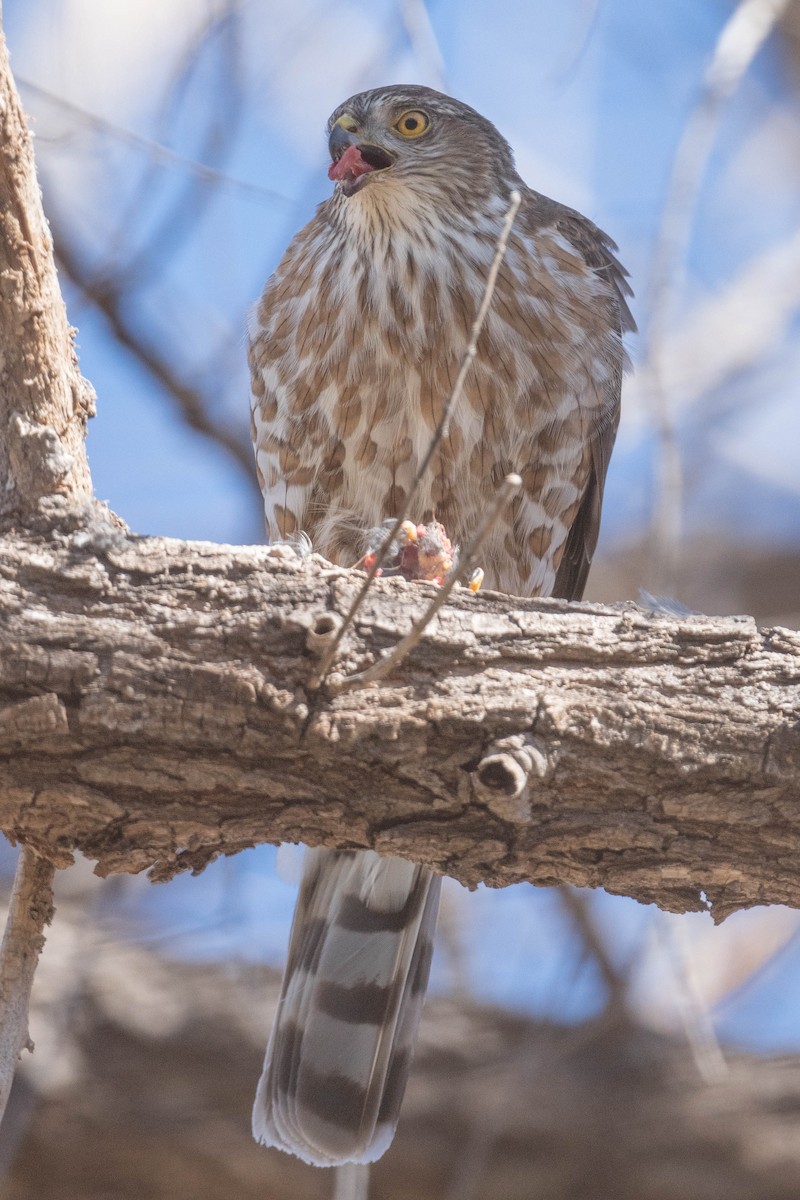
354 349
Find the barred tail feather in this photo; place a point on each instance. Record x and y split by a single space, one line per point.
341 1047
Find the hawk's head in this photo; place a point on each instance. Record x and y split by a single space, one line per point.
419 137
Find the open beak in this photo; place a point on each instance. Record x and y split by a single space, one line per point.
353 161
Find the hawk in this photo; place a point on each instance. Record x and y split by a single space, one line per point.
353 351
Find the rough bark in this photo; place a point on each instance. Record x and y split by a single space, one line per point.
44 400
156 712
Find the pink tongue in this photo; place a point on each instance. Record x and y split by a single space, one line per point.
350 164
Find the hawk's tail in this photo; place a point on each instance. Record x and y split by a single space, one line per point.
341 1046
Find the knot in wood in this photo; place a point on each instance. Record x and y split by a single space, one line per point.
322 633
502 780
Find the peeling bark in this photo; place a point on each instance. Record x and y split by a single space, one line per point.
156 712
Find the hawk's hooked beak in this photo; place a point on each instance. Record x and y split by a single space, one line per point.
352 161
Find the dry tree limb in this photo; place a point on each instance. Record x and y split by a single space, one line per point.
44 406
155 709
44 400
30 909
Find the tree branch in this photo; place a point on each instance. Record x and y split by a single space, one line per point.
157 713
30 909
44 401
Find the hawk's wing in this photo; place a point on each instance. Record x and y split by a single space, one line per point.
597 250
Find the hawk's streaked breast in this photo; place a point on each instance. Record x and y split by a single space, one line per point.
354 349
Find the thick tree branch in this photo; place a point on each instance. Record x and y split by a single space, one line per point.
156 710
44 401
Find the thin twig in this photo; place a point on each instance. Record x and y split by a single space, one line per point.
29 910
441 432
424 43
466 559
193 405
698 356
741 39
146 263
571 56
155 149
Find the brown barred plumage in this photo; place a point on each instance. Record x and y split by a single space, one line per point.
343 1039
354 348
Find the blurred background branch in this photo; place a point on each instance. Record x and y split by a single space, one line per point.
113 297
738 43
155 1072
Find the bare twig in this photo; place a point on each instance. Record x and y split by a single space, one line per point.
466 559
571 56
424 43
441 432
699 356
30 909
183 206
155 149
740 40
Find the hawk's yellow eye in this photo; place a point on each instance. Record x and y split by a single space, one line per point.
412 124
